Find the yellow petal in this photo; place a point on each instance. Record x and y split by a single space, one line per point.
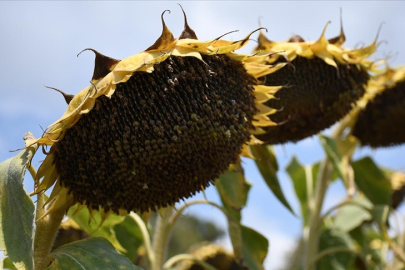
262 97
264 110
262 121
271 90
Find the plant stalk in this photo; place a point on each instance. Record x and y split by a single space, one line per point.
315 212
160 238
45 233
146 238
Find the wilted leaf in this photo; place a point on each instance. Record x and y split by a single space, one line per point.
266 162
255 248
351 216
338 260
16 211
91 253
372 181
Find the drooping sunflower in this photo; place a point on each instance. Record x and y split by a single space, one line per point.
212 254
156 127
380 123
321 84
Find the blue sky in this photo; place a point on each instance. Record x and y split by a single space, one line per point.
40 41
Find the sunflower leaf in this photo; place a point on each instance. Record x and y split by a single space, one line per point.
91 253
254 249
380 214
7 264
129 236
267 164
303 184
233 190
352 216
235 233
372 181
331 149
338 260
16 211
95 225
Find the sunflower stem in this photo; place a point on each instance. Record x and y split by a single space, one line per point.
160 238
46 229
181 257
312 240
146 238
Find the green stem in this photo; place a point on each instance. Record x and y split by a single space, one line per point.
181 209
46 229
175 259
322 184
164 225
146 237
160 238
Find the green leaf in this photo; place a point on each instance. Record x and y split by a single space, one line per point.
235 233
233 187
91 253
331 150
372 181
16 211
266 162
95 224
338 260
255 248
7 264
352 216
380 214
304 182
233 190
129 236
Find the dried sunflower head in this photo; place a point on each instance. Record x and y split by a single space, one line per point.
212 254
157 126
320 86
380 123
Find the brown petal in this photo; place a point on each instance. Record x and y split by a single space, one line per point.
102 66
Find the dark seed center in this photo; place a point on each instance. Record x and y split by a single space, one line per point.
161 137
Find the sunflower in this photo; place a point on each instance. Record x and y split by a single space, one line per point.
320 85
156 127
380 123
212 254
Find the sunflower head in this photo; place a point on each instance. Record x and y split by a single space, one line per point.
212 254
321 83
156 127
381 122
